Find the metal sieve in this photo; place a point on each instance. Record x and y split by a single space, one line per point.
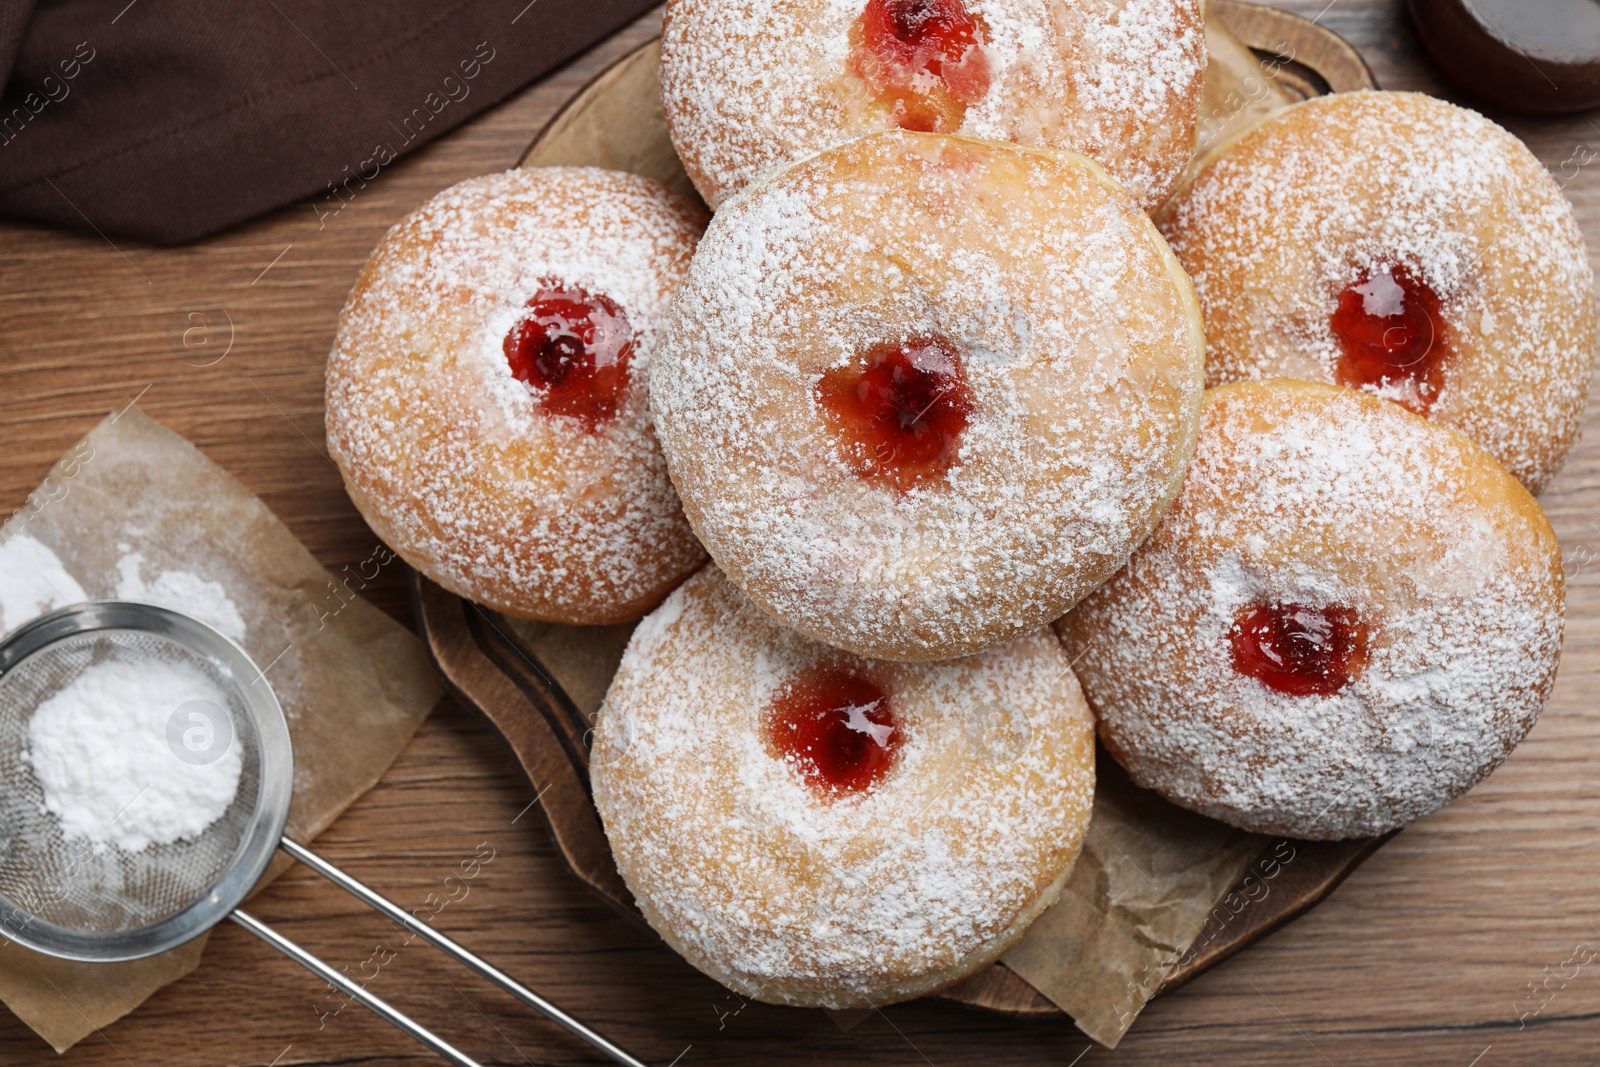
76 899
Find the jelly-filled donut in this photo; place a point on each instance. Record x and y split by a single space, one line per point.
812 828
921 393
1401 245
488 399
1349 617
751 84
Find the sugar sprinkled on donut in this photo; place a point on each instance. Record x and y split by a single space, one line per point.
1018 360
751 84
487 393
866 887
1348 618
1405 246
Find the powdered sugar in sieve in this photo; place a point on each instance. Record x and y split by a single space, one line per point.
146 773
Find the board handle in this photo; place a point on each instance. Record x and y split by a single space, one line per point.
520 702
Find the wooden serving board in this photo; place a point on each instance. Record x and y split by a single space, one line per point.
1465 932
493 663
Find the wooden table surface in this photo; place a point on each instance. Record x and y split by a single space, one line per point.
1430 952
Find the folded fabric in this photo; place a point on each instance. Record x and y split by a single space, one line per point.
167 120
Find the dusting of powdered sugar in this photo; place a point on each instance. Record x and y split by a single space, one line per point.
446 452
32 581
1277 226
1325 497
752 84
179 590
790 896
1079 347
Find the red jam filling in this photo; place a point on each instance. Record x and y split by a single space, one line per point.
837 728
900 410
1299 650
1392 335
572 347
923 58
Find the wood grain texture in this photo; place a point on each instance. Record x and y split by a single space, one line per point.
485 671
1425 954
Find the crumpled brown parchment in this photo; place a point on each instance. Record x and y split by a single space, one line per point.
1148 880
354 684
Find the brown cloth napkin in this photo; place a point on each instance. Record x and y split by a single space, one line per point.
167 120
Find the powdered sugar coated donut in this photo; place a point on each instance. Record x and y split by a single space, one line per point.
1348 618
487 394
811 828
752 84
920 393
1402 245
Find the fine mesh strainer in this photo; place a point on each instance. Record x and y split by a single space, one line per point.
70 898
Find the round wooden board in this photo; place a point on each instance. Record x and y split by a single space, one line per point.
617 122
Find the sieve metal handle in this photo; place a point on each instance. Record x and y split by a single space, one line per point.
393 911
377 1004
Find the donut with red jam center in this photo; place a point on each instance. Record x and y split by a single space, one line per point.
487 393
749 86
886 424
1349 616
813 828
1403 246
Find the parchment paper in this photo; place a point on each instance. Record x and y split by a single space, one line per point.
1149 878
354 684
1239 90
